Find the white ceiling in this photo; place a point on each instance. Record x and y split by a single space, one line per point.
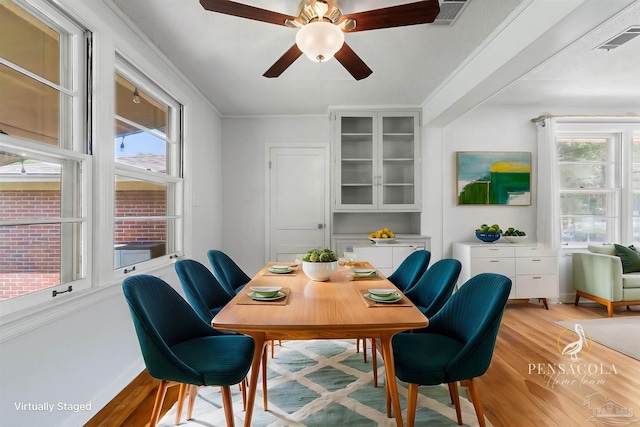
492 44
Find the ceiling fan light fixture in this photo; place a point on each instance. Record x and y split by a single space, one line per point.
319 40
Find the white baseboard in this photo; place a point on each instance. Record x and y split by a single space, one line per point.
106 394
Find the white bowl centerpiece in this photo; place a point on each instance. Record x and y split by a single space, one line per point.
513 235
319 264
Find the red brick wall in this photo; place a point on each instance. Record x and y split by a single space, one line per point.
140 203
30 255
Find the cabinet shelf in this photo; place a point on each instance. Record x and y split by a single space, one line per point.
376 163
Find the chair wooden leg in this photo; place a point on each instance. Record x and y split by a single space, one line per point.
609 309
243 389
475 399
455 399
374 362
157 405
364 349
265 400
193 392
412 404
228 405
182 392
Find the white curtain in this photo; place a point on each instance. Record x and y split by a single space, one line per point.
548 192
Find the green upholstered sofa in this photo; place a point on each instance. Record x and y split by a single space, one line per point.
598 276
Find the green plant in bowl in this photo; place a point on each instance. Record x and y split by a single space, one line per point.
319 264
320 255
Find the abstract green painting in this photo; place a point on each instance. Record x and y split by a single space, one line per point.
493 178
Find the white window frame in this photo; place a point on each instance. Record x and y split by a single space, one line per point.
73 146
173 176
622 131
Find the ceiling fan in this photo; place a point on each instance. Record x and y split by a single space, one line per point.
321 27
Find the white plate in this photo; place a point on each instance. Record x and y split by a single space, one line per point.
280 270
397 297
382 241
382 293
265 289
254 296
281 267
363 271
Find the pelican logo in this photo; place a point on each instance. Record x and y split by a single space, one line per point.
574 344
608 412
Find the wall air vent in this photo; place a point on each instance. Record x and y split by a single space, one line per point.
450 10
620 39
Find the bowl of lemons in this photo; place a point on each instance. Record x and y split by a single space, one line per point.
382 236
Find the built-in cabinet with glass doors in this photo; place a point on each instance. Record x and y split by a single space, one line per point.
377 161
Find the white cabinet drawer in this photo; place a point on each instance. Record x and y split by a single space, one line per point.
537 265
491 251
536 286
534 251
504 266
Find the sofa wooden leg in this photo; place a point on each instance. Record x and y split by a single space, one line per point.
577 299
610 309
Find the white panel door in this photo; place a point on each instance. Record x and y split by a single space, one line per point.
298 203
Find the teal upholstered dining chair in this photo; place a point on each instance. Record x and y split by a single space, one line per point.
202 290
404 278
435 286
410 270
179 348
230 276
457 345
429 294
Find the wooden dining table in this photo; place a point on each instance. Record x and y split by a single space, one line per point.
334 309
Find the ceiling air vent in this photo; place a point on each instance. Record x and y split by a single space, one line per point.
620 39
449 11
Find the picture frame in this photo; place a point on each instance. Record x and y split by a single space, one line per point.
493 178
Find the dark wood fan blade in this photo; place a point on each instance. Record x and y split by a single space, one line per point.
245 11
420 12
284 62
352 62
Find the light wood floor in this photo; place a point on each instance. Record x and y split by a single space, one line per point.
511 395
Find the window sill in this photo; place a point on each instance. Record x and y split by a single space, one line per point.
24 321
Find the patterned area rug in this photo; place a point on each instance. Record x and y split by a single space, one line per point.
324 383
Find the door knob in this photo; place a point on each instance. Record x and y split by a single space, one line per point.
320 226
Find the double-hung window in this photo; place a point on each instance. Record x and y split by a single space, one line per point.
44 169
148 183
599 172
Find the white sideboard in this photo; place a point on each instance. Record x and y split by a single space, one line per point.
532 269
386 257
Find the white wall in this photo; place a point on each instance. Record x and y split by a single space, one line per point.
243 151
90 353
486 128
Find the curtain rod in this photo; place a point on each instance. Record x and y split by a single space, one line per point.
553 116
